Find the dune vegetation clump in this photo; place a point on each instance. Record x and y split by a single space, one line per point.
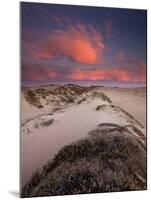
116 109
47 122
63 95
32 98
97 94
104 161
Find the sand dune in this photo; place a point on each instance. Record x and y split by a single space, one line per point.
48 128
111 158
132 100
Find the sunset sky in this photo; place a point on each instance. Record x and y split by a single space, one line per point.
84 45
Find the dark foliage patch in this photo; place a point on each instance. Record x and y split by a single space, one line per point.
103 162
32 98
47 122
66 94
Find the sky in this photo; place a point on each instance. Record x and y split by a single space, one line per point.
82 45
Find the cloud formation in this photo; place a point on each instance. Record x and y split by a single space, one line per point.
69 49
77 45
82 44
45 72
99 74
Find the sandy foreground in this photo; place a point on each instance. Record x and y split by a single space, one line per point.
39 143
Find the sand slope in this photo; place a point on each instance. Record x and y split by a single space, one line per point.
45 130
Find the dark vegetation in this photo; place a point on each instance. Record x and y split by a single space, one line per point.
29 120
65 94
110 159
32 98
55 109
117 109
102 96
47 122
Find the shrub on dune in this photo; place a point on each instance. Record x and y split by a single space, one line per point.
104 161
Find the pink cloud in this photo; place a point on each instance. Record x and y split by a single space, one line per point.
42 55
40 72
118 74
80 43
105 74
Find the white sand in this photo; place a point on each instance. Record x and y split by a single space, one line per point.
71 124
131 100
